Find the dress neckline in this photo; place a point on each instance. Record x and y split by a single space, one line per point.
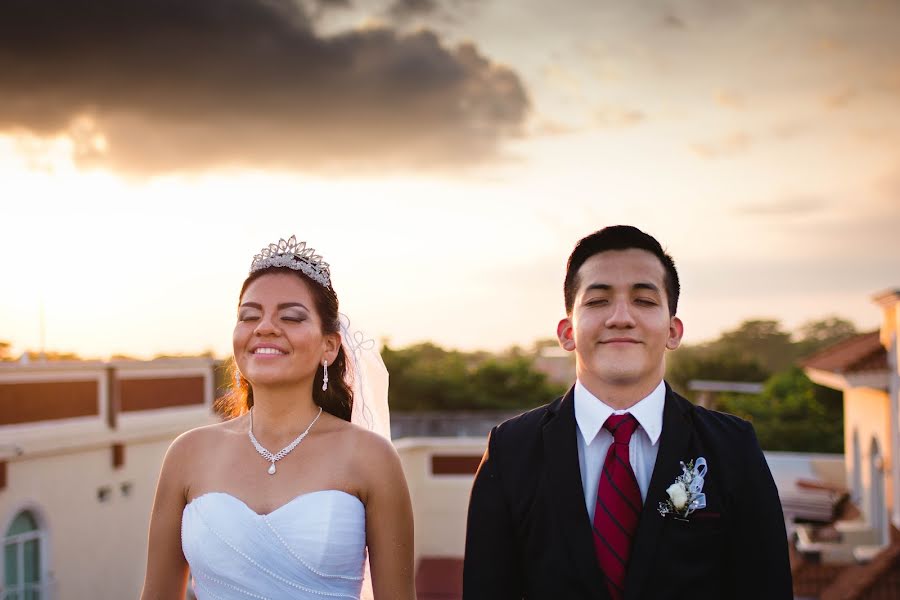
297 498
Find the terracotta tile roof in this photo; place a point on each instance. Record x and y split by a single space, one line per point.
862 352
876 579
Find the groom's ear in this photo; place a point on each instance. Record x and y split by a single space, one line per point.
566 334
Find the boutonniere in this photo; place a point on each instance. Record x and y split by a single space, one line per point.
686 494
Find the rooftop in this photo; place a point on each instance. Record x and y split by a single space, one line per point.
862 352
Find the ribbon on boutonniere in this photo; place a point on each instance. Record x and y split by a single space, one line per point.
686 495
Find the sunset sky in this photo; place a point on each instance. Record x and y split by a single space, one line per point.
444 157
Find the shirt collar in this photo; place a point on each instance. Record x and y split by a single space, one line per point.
591 412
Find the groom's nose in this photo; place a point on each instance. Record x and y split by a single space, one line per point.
621 315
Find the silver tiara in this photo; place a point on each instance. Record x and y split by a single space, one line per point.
293 255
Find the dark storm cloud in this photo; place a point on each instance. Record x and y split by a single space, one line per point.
437 12
673 21
334 3
318 8
162 85
405 9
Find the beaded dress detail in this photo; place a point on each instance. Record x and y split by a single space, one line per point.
312 547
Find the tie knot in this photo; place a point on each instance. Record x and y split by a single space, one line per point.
621 427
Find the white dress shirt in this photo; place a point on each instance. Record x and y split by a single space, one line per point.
594 441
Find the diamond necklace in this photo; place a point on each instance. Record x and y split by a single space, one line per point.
272 458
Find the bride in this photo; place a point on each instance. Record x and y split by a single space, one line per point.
288 498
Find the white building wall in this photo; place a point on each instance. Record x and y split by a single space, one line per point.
440 502
94 549
868 412
894 395
889 302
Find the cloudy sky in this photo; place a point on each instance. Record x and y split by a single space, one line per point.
444 157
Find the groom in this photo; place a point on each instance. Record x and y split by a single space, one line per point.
586 497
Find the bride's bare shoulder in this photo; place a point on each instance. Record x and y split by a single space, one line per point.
202 438
358 440
373 454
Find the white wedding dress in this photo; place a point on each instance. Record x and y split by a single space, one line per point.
312 547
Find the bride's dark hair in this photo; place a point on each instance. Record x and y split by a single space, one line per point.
338 399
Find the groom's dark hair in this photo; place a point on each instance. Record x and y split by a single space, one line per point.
619 237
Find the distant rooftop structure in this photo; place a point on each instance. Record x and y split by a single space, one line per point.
448 424
886 295
739 387
863 352
708 389
557 364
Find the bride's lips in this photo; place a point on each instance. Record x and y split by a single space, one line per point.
267 350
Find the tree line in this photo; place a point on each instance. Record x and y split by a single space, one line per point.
791 413
426 376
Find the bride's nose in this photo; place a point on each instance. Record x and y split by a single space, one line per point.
267 326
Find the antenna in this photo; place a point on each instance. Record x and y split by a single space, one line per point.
43 330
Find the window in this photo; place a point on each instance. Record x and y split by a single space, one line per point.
455 464
22 560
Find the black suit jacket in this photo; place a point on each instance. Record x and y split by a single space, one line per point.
529 536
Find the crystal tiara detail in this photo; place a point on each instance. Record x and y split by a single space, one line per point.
294 255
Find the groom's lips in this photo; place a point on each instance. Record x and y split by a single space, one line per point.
620 340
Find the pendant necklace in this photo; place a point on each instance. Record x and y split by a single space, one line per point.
273 458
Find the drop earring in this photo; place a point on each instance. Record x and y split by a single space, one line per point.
324 375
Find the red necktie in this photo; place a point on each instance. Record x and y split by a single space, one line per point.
618 506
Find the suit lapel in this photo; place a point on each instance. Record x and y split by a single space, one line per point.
673 448
564 478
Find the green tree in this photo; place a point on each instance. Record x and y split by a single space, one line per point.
511 382
760 340
818 334
428 377
51 355
792 414
710 362
753 351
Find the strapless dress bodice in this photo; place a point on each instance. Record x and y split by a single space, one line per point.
312 547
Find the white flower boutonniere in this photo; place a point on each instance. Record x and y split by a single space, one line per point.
686 494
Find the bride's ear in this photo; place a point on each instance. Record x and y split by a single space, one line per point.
332 346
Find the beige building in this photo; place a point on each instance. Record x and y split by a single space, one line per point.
858 556
439 472
81 444
865 369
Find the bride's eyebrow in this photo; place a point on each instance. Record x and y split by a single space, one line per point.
284 305
281 306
